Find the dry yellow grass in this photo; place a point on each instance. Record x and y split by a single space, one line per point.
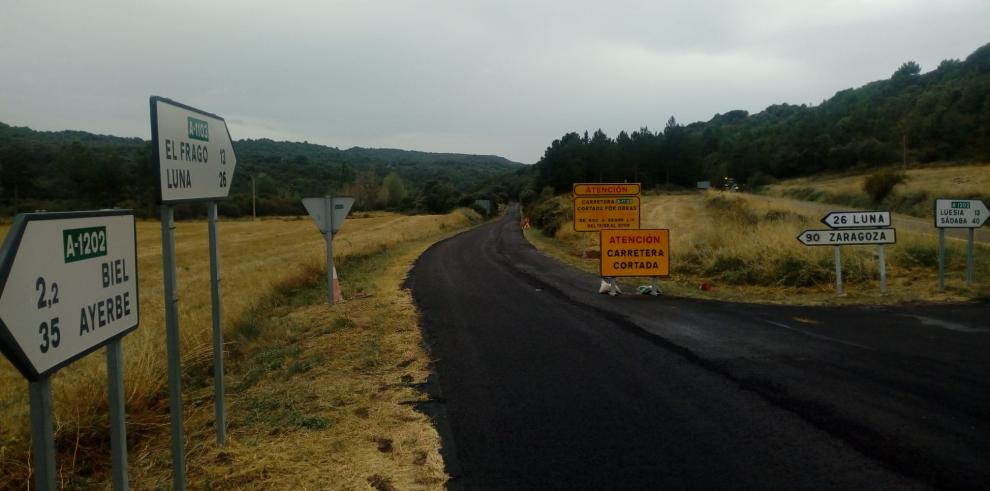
745 246
947 181
255 257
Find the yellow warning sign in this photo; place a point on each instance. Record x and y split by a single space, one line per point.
593 214
606 189
644 252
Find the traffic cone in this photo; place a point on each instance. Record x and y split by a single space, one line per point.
337 295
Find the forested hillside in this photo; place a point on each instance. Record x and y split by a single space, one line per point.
68 170
942 115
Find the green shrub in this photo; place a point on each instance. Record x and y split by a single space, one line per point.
916 256
793 270
878 186
734 270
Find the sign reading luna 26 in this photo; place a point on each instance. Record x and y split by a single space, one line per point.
68 285
194 154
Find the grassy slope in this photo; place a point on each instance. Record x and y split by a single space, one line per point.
913 197
311 388
744 246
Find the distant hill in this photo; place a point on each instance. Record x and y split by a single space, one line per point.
942 115
58 170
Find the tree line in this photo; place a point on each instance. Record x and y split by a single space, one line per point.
73 170
942 115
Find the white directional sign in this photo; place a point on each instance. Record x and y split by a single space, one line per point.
69 286
960 213
847 237
194 155
317 208
857 219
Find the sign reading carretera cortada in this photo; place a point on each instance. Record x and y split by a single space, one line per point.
194 155
643 252
69 286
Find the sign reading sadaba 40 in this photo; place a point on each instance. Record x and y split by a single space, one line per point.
644 252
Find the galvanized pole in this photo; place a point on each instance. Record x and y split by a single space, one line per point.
254 199
969 259
838 272
883 271
328 223
172 347
220 420
42 434
941 259
118 423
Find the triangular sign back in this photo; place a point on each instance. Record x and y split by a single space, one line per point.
317 207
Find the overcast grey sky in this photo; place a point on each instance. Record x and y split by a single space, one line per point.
489 77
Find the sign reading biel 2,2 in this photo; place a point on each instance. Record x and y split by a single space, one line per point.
70 285
194 153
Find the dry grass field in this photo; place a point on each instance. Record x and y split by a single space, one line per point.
745 248
314 393
914 196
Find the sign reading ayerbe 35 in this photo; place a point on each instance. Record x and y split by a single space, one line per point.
194 154
69 286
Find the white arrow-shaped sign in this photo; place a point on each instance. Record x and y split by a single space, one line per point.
848 237
194 155
857 219
317 208
960 213
70 285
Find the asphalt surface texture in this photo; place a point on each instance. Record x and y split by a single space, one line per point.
539 382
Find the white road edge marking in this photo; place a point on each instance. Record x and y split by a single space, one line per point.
819 336
952 326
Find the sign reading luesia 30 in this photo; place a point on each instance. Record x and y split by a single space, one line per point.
643 252
195 156
960 213
70 286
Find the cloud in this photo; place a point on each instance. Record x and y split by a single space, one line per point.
493 77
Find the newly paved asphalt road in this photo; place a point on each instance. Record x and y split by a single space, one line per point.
541 383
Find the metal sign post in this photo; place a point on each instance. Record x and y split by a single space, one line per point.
329 214
969 260
958 213
171 298
69 286
838 272
115 397
941 259
194 161
883 269
42 434
218 386
853 228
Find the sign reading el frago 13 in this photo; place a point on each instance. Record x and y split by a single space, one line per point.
70 285
195 156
